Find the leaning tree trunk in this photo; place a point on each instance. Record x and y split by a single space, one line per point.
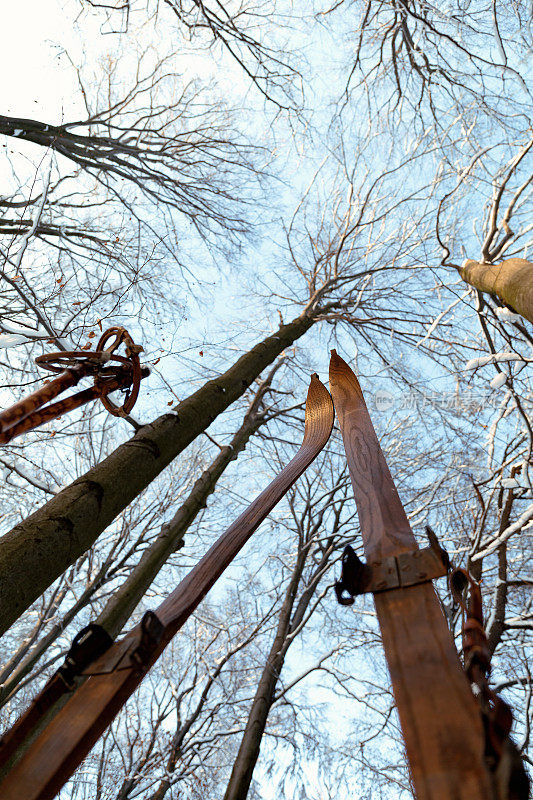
290 620
243 767
36 551
511 281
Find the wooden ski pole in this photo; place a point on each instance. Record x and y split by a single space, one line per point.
56 752
440 720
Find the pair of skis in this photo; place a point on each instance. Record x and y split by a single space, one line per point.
441 724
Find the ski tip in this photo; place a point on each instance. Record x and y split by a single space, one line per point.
317 390
337 363
341 374
319 411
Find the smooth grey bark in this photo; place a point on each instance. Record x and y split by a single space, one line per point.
36 551
496 624
243 767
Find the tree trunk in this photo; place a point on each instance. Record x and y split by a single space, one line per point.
243 767
36 551
511 281
496 624
289 621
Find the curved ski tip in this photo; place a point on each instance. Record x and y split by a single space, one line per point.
340 373
337 363
317 393
319 410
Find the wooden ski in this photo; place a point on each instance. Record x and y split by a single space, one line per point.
56 752
439 717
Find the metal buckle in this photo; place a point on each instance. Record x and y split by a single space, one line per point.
393 572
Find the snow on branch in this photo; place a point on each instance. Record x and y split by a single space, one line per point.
519 525
496 358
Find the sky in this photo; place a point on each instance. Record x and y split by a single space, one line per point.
43 85
40 83
30 55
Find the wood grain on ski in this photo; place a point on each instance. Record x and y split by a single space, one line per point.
439 718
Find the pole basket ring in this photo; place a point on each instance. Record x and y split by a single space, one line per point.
132 352
105 366
91 361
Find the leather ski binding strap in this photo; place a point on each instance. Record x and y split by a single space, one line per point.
405 569
89 644
134 650
91 653
502 757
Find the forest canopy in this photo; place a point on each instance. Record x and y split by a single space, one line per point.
245 185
